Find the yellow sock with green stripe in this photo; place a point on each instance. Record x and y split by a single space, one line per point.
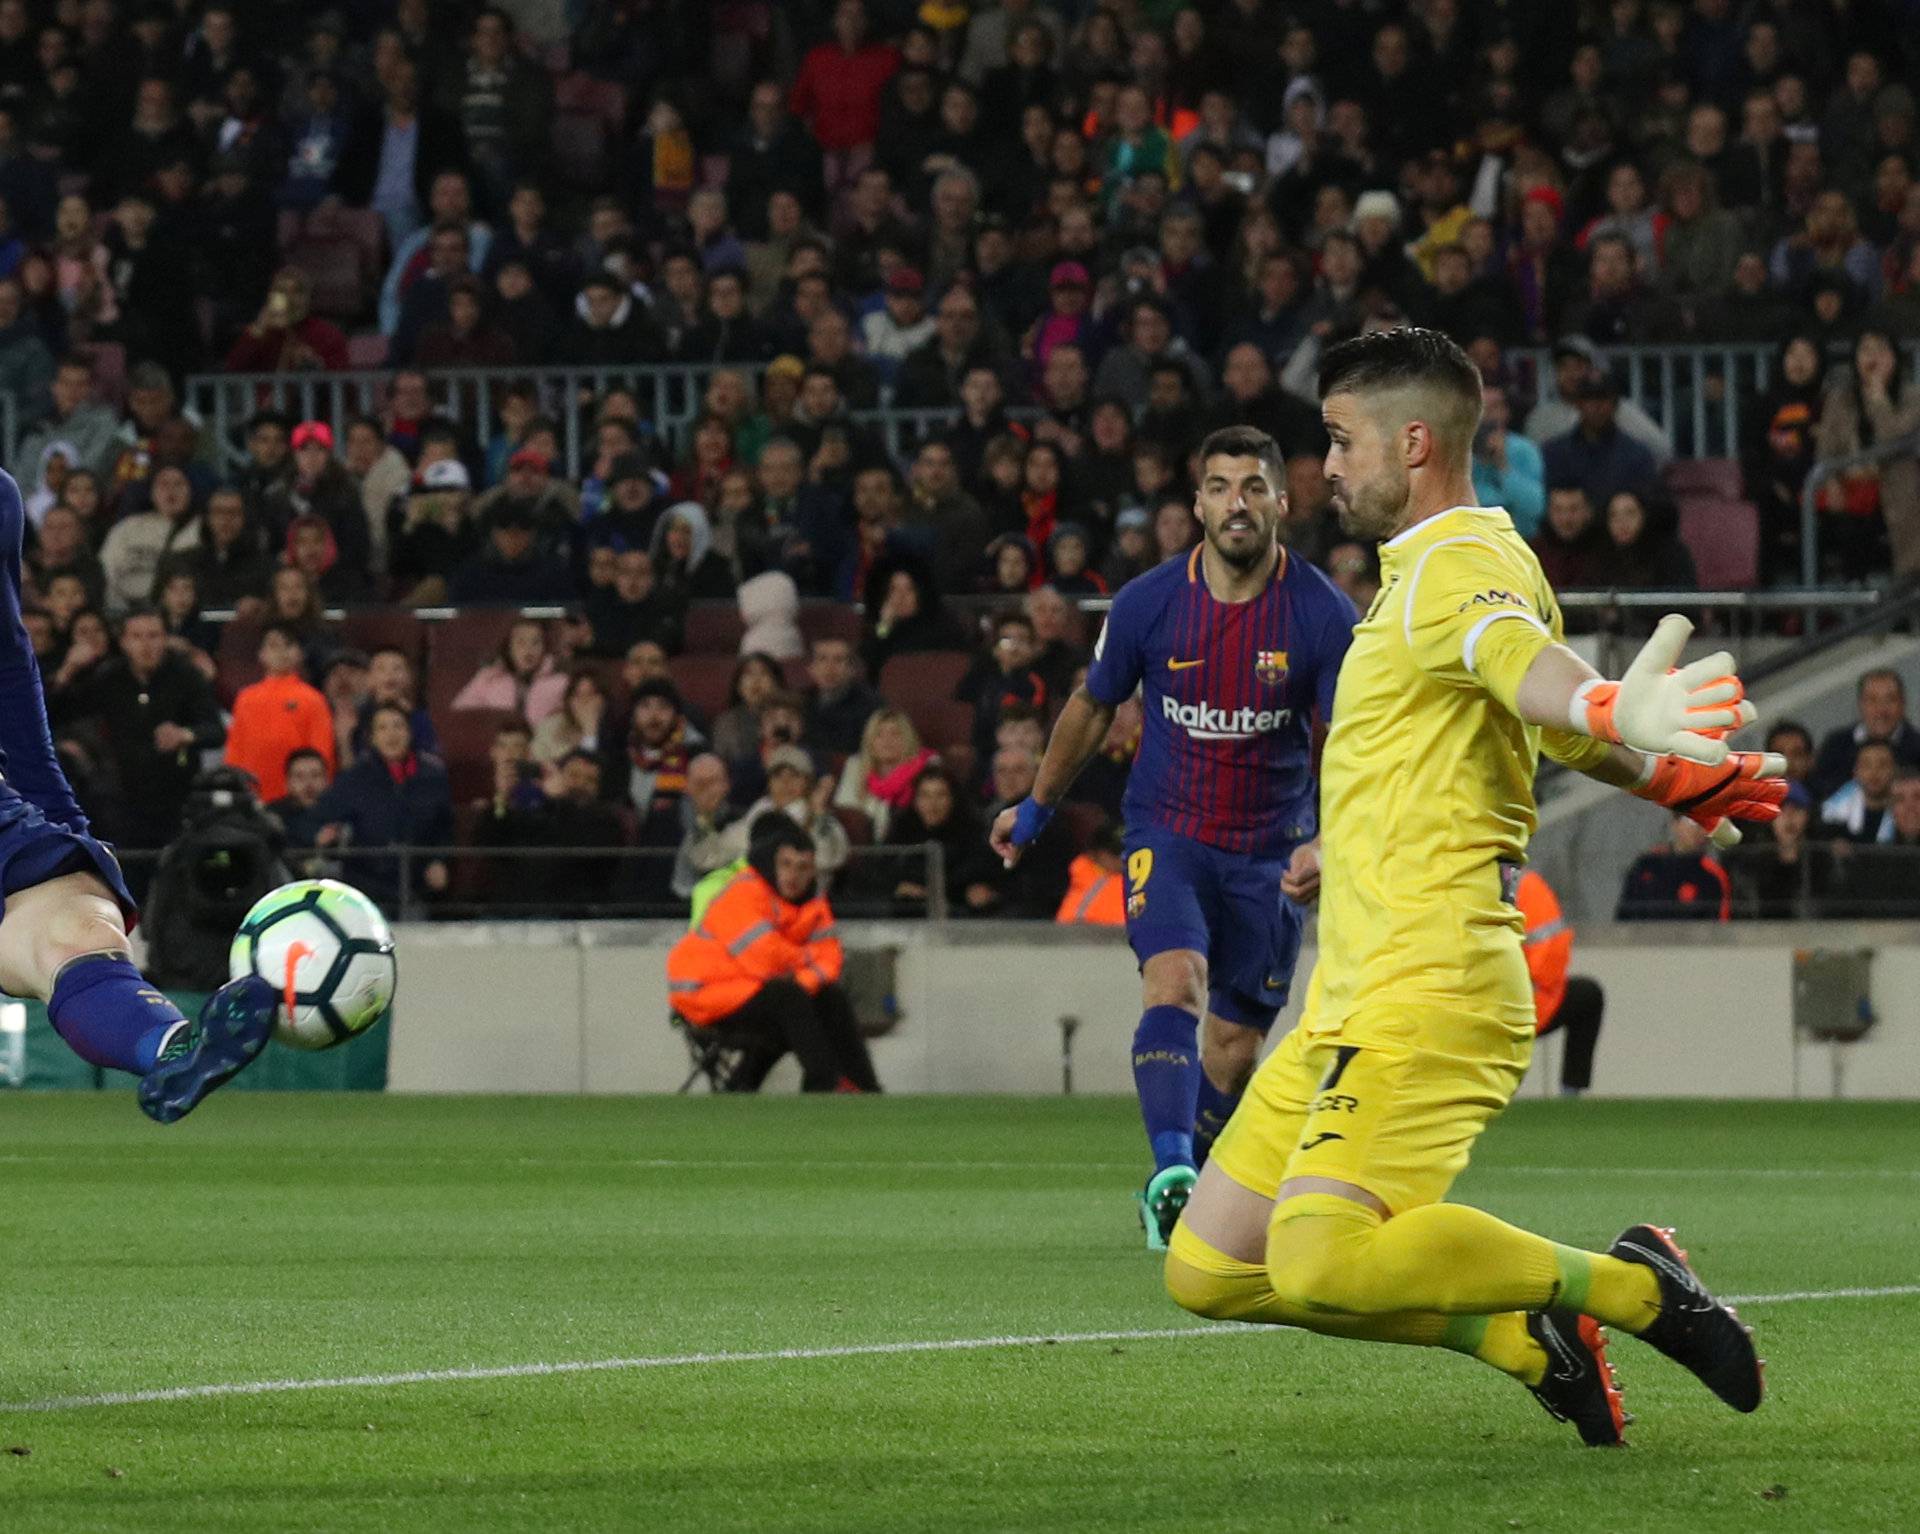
1502 1341
1622 1294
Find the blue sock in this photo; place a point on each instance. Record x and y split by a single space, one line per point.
1216 1107
1166 1075
109 1015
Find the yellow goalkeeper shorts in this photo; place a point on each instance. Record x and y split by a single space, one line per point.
1391 1101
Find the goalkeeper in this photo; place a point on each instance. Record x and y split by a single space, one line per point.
1322 1205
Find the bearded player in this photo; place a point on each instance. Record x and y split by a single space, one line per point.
65 909
1321 1206
1236 647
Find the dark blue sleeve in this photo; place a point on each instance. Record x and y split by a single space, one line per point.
1334 635
1119 654
26 740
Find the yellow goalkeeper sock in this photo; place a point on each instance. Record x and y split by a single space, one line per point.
1328 1254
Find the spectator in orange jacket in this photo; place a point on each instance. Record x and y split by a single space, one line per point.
764 964
1096 893
1573 1004
279 715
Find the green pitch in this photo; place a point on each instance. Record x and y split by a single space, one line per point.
288 1238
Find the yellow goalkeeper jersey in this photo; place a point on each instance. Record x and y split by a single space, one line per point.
1427 779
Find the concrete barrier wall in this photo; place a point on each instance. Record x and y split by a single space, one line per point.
583 1008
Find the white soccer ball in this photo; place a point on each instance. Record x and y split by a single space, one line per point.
327 951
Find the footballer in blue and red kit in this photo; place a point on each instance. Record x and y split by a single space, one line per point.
65 909
1221 796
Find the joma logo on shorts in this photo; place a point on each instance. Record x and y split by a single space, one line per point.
1334 1102
1203 721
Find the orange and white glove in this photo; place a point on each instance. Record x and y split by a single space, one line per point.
1748 785
1661 711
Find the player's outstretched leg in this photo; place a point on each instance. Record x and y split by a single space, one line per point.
1694 1329
232 1029
65 942
1561 1360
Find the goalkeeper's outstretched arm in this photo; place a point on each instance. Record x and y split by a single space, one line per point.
1582 716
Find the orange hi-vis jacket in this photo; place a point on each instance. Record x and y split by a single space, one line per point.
1549 945
1095 898
748 936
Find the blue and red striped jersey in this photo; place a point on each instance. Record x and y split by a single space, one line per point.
1229 691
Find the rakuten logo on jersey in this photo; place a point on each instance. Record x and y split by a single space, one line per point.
1205 722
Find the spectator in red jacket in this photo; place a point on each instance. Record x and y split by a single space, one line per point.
286 337
837 94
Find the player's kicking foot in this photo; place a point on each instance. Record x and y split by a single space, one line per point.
1579 1386
1694 1329
1161 1201
233 1027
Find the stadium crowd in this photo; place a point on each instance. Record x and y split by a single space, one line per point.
1074 237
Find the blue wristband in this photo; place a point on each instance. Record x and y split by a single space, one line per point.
1029 820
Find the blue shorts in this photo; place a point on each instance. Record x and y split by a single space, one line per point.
33 850
1226 905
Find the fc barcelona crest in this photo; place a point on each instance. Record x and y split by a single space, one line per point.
1270 666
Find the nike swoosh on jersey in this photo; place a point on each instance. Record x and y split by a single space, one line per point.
1183 665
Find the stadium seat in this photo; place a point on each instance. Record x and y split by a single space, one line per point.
236 660
579 144
1718 477
942 722
830 620
959 761
372 628
856 823
333 267
714 628
703 681
464 739
909 679
1723 535
459 647
1082 820
109 360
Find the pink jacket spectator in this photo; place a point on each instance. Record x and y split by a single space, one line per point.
494 686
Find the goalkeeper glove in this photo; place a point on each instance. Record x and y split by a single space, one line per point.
1748 785
1661 711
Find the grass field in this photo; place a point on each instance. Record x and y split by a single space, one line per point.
282 1238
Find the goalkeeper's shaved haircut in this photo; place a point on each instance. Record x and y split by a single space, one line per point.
1434 380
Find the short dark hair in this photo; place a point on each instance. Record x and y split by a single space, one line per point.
1246 442
1790 727
1410 356
1881 673
287 632
301 753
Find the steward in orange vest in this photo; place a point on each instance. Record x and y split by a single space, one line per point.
1572 1003
763 962
1096 894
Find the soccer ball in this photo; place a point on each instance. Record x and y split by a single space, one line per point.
328 951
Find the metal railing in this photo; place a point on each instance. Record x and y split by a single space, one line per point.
670 402
1833 880
1823 474
576 883
1694 392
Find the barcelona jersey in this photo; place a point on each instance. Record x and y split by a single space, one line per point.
1229 690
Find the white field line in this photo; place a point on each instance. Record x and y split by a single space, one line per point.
823 1164
772 1355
